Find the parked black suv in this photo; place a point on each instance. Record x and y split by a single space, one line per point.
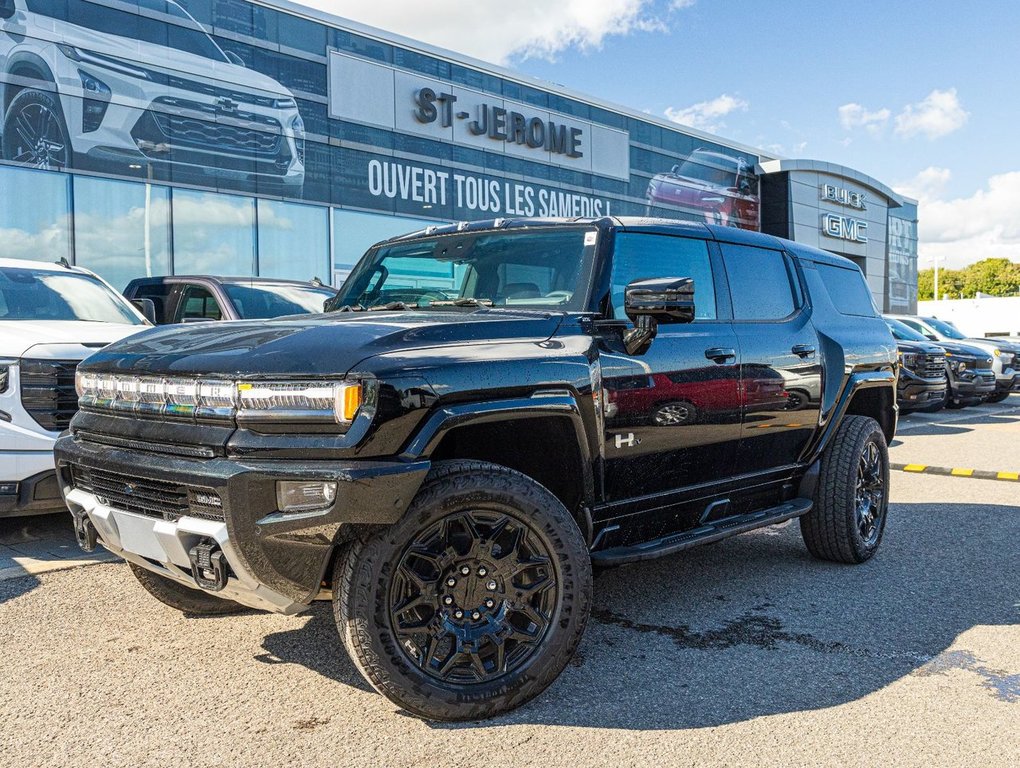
446 467
202 298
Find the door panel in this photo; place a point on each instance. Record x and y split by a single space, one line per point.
672 414
781 359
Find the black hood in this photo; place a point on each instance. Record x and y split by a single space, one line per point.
310 345
918 347
962 349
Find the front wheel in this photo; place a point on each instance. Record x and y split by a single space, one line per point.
474 602
998 397
35 133
851 500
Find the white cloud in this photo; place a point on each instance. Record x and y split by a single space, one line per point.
962 230
938 114
496 31
707 115
856 116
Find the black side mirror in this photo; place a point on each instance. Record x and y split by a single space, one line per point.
7 9
146 306
650 302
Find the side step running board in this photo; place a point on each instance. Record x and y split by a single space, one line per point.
704 534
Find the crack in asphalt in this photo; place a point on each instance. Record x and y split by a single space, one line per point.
752 629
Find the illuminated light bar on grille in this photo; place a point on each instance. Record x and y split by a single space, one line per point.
310 401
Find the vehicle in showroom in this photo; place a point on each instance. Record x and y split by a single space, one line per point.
720 186
1007 379
90 85
201 298
923 383
51 317
447 471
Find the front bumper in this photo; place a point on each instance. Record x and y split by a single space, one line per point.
913 391
277 560
35 495
971 389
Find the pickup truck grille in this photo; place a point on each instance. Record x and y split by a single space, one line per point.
152 498
931 366
47 392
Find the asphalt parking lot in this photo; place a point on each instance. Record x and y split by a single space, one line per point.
746 652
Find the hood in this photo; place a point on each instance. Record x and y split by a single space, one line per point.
312 345
163 58
922 347
59 339
960 349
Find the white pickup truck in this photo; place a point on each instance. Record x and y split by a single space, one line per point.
51 318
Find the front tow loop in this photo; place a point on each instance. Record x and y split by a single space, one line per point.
208 565
84 531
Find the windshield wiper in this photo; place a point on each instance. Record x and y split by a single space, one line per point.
466 301
391 306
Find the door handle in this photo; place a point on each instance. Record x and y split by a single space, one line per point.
803 350
720 354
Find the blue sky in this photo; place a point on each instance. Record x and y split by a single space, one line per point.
918 94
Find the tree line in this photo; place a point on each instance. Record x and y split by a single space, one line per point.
997 277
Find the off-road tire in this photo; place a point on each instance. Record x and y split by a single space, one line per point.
184 599
364 575
831 529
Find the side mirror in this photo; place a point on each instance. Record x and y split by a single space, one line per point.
232 57
650 302
146 306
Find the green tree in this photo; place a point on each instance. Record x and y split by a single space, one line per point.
996 277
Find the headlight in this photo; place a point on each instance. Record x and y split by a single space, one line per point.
299 401
909 359
281 401
5 374
961 365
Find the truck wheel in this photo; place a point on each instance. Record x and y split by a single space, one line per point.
852 497
35 133
184 599
674 414
474 602
998 397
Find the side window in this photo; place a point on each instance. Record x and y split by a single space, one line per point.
638 256
158 293
847 290
197 302
760 282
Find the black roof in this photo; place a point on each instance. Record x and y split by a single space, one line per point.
639 224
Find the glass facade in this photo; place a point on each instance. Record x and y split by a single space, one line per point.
219 136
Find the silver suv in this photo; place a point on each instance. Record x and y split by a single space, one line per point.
86 83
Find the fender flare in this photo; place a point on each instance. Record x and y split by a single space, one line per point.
35 62
558 404
855 382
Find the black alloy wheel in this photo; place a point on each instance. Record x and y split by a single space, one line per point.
473 602
870 494
35 133
472 597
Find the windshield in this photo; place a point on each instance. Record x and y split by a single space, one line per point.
902 332
28 294
946 329
264 300
545 268
711 174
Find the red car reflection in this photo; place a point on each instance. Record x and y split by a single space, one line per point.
687 397
719 186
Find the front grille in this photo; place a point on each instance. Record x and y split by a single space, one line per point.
161 499
47 392
192 124
930 366
986 376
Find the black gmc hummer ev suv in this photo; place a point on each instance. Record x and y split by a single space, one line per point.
483 413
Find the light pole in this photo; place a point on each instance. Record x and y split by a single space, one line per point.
935 263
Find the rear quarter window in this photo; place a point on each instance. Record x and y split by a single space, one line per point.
847 290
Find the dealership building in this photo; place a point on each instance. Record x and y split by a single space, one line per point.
147 137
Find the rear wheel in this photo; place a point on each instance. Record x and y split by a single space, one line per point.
851 499
474 602
181 597
35 133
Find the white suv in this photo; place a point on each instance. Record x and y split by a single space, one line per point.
88 84
51 318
